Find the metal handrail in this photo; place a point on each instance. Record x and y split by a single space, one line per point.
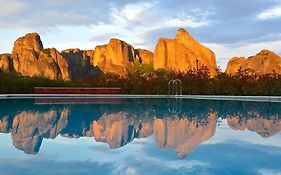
175 87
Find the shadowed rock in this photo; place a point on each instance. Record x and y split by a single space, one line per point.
79 65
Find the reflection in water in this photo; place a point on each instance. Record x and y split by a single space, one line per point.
119 123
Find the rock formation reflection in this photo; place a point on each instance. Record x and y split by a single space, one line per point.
119 124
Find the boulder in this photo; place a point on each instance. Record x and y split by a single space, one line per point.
183 53
265 62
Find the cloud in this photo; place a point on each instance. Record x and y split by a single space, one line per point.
105 37
271 13
268 172
11 7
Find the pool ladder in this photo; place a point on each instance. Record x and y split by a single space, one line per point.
175 87
175 100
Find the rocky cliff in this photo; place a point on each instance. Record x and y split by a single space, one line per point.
183 134
31 59
79 65
118 56
29 128
183 53
265 62
6 63
116 129
144 56
264 127
4 124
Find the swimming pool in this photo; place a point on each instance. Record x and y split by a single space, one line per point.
139 136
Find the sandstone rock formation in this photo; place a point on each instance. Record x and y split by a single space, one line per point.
144 56
29 128
4 124
30 59
6 63
265 62
264 127
183 134
79 65
118 56
183 53
116 129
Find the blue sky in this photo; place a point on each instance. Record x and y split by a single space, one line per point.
229 28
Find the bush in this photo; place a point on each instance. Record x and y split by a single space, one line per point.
141 81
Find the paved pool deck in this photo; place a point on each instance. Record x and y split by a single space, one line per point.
201 97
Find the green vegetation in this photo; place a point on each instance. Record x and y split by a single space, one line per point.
156 82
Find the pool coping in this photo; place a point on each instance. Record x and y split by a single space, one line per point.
201 97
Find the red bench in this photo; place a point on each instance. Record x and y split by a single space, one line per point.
66 90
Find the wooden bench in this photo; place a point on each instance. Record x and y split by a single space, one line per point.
70 90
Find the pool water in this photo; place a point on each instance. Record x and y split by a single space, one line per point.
139 136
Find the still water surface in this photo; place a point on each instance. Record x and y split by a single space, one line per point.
139 136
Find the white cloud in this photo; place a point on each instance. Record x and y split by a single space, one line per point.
131 171
10 7
188 22
148 16
186 164
268 172
271 13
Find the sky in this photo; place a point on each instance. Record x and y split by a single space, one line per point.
229 28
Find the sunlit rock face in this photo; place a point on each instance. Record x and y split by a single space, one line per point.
30 59
116 129
79 63
264 127
29 128
183 53
183 134
144 56
115 57
118 56
265 62
6 63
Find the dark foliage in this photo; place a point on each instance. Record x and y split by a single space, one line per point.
156 82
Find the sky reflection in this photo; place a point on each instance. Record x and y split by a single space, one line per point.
110 142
